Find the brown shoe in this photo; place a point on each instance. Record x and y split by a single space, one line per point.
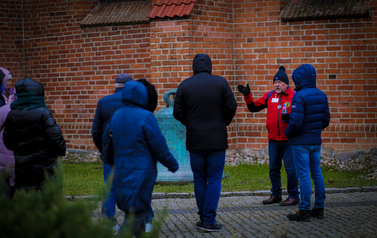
290 202
272 200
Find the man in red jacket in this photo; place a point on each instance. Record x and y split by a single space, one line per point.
278 103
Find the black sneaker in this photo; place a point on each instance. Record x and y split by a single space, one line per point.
301 215
199 224
317 213
212 227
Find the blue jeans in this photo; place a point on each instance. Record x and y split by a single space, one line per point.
207 167
307 159
282 151
108 206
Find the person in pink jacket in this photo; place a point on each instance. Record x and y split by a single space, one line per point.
7 92
7 161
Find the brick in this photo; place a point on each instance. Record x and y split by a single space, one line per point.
342 51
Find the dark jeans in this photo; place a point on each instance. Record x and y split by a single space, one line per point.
282 151
207 167
108 205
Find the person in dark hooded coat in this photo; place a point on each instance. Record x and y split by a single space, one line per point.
31 132
138 144
205 104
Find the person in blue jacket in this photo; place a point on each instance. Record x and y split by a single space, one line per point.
138 144
309 116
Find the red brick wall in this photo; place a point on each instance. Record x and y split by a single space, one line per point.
343 51
78 66
170 50
11 38
175 42
245 39
213 34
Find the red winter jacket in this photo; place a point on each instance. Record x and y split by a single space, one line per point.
275 124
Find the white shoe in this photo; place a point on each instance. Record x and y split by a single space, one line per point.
116 229
148 227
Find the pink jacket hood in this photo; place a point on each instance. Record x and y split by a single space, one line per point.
5 72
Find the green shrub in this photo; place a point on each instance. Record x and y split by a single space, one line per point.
48 214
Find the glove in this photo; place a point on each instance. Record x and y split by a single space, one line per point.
244 90
285 117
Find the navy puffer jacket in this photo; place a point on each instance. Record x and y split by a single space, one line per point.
106 106
138 145
310 110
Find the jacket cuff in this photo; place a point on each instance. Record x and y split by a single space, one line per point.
249 99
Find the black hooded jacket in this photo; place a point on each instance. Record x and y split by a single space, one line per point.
35 139
205 104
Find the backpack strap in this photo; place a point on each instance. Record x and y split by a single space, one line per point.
269 94
272 91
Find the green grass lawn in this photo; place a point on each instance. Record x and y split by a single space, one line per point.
82 179
87 179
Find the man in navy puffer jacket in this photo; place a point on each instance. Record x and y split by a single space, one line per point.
106 107
309 116
138 145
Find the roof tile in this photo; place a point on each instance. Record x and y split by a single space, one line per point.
297 10
172 8
118 13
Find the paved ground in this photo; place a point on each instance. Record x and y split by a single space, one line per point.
347 214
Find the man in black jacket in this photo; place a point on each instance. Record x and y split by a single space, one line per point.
205 104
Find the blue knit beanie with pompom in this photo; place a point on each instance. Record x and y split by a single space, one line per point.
281 75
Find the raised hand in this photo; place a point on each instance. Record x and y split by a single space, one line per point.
244 90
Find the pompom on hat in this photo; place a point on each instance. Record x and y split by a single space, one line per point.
281 75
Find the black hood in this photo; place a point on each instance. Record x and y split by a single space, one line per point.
28 85
202 63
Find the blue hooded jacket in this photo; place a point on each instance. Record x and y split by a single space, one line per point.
310 110
138 145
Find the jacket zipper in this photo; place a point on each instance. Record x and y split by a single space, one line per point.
278 117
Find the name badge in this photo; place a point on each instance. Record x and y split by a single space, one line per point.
275 100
